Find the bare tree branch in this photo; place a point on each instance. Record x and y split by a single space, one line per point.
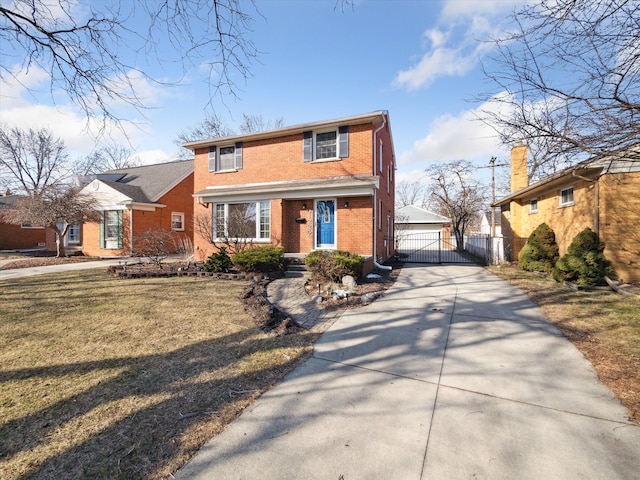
571 73
86 47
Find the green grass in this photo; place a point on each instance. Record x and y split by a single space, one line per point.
110 378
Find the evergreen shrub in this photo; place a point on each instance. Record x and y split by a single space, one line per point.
267 258
218 262
334 264
540 253
584 263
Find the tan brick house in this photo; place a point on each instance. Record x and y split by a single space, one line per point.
320 185
133 201
601 193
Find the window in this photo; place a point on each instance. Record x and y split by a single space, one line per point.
111 229
73 234
327 145
566 197
533 206
177 221
242 220
227 158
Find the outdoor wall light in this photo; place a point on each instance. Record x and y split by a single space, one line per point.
304 206
346 204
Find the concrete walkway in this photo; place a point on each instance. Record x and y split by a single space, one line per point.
453 374
65 267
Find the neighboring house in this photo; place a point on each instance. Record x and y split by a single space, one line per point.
486 223
133 201
415 220
419 230
321 185
602 193
18 237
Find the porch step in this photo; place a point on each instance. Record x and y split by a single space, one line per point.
296 270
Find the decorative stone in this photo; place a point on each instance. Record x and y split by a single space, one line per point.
348 281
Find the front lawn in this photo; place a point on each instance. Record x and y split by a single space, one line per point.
603 325
109 378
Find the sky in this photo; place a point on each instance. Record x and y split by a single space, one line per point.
419 60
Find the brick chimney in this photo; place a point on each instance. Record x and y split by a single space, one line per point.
519 176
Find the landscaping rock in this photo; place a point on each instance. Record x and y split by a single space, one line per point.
349 282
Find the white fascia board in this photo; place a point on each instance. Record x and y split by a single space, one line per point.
146 207
289 191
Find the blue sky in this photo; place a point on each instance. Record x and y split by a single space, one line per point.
420 60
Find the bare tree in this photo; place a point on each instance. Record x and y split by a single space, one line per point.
411 193
210 127
110 156
32 160
235 232
456 194
56 209
257 123
87 46
571 73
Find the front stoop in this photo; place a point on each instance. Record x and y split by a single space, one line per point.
295 266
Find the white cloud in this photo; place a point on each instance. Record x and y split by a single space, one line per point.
151 157
455 137
458 43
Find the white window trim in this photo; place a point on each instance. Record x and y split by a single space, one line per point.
567 204
256 238
181 229
219 168
315 145
531 209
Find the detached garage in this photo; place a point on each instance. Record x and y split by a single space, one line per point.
421 234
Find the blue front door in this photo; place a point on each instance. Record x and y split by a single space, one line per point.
325 224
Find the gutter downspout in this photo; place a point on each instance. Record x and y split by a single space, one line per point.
375 196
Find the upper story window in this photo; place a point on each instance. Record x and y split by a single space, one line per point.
566 197
326 145
226 158
533 206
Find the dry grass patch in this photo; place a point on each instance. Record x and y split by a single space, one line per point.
107 378
603 325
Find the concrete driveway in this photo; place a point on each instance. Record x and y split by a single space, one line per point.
453 374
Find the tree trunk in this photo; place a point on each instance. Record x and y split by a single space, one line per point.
60 250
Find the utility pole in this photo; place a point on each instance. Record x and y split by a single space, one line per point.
492 165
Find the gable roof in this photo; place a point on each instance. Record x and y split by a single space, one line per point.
413 214
148 183
294 129
626 161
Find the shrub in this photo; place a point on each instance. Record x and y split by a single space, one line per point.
259 259
218 262
540 253
584 263
156 244
334 264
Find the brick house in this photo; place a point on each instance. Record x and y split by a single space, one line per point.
601 193
18 237
320 185
133 201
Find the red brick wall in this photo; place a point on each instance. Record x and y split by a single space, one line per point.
178 199
14 237
280 159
